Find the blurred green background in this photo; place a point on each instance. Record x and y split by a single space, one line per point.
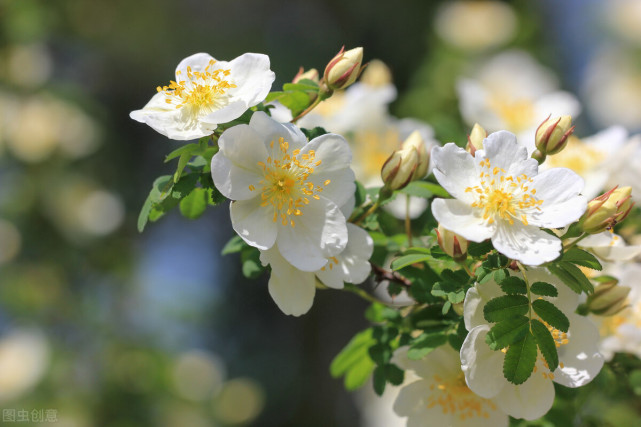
103 326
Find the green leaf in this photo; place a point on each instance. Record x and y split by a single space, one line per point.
419 189
143 217
393 374
520 359
235 245
194 204
579 276
252 267
544 289
513 285
505 307
313 133
551 315
379 380
583 258
182 162
546 344
479 249
507 332
159 191
295 101
185 149
184 186
380 353
565 277
456 340
410 259
307 86
501 275
353 361
424 344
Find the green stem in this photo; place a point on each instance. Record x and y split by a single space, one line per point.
467 269
575 241
408 222
527 286
361 293
323 94
370 211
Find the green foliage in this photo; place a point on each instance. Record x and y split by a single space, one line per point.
520 359
295 96
551 315
572 276
544 289
546 344
425 344
479 249
194 204
412 258
504 307
313 133
354 362
583 258
507 332
512 285
424 189
251 265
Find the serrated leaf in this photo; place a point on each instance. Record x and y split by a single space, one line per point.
393 374
313 133
425 344
251 265
505 307
410 259
579 276
182 162
501 275
550 314
159 191
520 359
379 380
479 249
583 258
380 353
194 204
513 285
185 149
565 277
544 289
546 344
235 245
507 332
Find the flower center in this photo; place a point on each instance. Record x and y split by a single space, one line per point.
285 182
517 114
576 155
454 397
502 196
202 90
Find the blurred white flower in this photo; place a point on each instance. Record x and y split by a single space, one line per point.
207 92
610 247
475 25
513 92
623 17
28 65
24 358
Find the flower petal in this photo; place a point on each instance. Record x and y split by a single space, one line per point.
232 181
482 366
505 152
270 130
530 400
559 189
292 289
253 223
353 266
196 62
341 185
462 219
319 233
244 147
252 76
580 356
455 171
526 243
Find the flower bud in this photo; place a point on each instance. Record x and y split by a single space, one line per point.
608 299
552 134
416 141
344 68
607 210
452 244
399 168
475 139
311 74
377 74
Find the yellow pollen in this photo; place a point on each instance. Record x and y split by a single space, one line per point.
286 182
203 91
455 398
503 198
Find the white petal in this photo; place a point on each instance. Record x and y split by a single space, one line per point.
455 171
530 400
270 130
234 182
252 76
341 186
399 208
197 62
244 147
253 223
173 125
559 189
462 219
556 104
483 367
319 233
505 152
610 247
228 112
526 243
580 356
292 289
353 266
155 105
332 150
475 300
411 399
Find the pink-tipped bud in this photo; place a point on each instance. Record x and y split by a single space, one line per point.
408 164
552 135
311 74
608 299
607 210
475 139
452 244
344 68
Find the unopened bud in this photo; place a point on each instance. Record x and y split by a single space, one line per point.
608 299
452 244
344 68
399 168
376 74
607 210
475 139
311 74
416 141
552 135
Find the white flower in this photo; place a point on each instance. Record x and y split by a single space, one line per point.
439 396
499 194
513 92
610 247
293 289
596 159
286 191
579 359
207 92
